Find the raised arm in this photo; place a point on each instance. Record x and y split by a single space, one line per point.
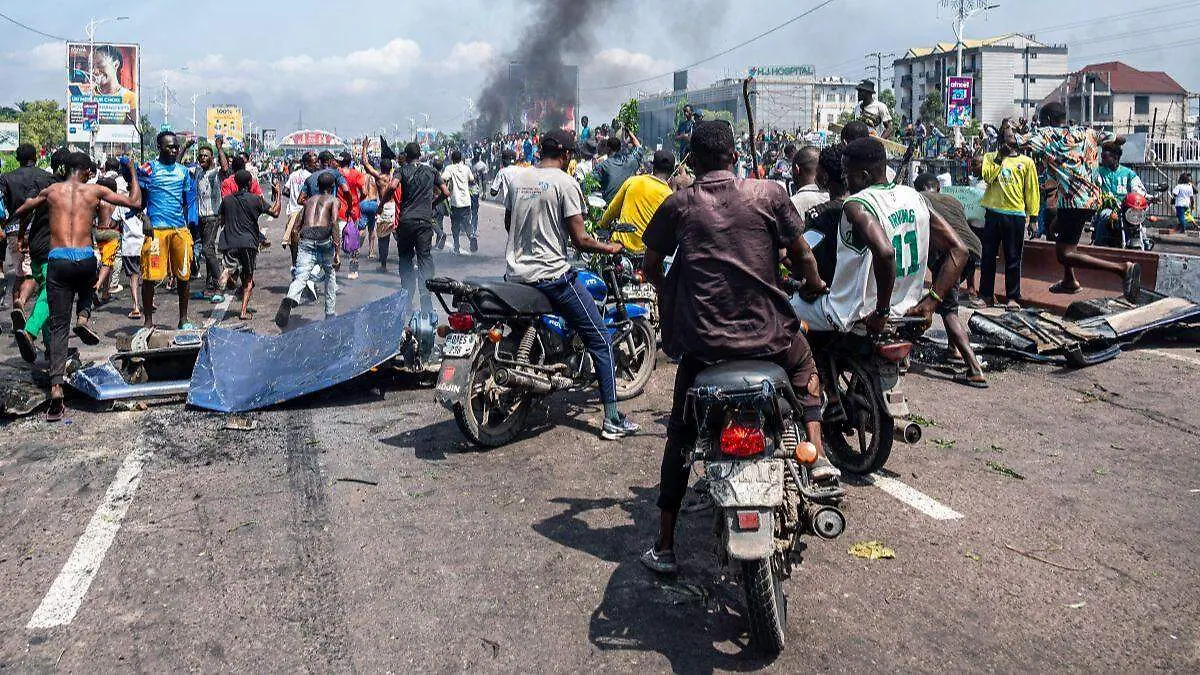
222 158
275 208
366 164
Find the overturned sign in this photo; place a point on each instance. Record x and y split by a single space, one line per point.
149 364
1091 331
237 371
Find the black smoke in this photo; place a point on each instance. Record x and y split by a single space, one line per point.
535 76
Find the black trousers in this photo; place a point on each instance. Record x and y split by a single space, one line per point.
68 287
1009 231
210 227
414 243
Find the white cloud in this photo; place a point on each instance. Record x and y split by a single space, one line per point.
469 56
44 57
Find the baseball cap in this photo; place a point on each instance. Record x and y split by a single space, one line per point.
557 140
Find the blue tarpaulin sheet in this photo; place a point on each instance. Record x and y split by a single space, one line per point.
238 371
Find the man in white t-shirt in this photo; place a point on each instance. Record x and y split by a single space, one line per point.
292 190
459 180
1185 199
132 238
872 111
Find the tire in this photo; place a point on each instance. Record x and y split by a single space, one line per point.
867 414
634 358
766 605
475 408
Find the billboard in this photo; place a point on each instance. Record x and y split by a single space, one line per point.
958 101
102 92
226 120
270 138
10 136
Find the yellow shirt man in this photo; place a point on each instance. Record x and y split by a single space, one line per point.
635 204
1013 187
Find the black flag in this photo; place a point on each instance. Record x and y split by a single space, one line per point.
384 151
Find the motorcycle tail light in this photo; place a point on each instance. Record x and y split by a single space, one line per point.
461 322
739 440
495 335
895 351
748 521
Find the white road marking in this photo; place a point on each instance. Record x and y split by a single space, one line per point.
219 311
914 498
1173 357
66 594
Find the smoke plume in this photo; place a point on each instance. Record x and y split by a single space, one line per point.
535 77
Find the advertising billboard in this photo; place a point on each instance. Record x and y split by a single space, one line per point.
10 136
270 138
958 101
102 92
226 120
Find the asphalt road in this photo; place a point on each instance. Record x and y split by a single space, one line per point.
158 540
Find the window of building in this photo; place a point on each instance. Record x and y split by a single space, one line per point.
1141 105
1033 80
1141 128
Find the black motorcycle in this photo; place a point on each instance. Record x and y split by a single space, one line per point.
756 459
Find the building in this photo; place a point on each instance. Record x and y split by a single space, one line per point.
790 99
1012 74
1125 100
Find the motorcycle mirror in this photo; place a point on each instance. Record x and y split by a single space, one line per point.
596 201
622 228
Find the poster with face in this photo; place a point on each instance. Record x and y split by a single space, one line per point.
103 76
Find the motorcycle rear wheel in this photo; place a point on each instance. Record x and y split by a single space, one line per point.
487 414
862 443
766 605
634 359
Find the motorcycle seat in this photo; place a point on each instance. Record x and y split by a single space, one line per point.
517 298
741 377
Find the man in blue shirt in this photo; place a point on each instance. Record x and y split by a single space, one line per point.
527 148
170 195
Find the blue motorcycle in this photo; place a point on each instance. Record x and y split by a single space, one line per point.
505 348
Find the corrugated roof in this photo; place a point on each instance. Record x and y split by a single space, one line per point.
1125 79
948 47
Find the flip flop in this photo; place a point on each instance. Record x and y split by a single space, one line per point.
246 318
1132 282
25 345
963 378
18 320
55 412
86 335
1060 289
134 314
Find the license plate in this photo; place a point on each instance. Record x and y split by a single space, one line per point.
459 345
639 291
746 483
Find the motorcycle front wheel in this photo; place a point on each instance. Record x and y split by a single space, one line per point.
766 605
488 414
862 442
634 358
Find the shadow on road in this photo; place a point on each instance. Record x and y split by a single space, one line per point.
694 620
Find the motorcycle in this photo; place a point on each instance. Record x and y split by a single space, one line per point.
870 410
756 459
505 348
1126 221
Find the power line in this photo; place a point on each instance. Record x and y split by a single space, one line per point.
32 29
761 35
1113 17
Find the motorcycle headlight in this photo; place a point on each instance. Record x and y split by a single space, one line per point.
1135 216
625 268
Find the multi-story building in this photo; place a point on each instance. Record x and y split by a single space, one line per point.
1012 74
1123 99
789 99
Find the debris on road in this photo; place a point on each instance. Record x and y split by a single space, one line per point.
360 481
240 423
1091 331
871 550
1003 470
150 363
944 443
1033 556
235 528
238 371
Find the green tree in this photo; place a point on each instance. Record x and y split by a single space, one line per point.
933 110
888 98
148 133
8 114
43 123
845 118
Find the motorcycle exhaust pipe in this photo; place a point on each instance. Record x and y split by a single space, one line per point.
906 431
536 384
827 522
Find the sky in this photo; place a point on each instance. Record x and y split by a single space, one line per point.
355 66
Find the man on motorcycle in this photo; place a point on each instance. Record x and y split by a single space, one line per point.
543 206
1116 181
638 200
883 245
722 300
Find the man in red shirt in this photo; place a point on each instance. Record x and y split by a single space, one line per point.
229 185
350 209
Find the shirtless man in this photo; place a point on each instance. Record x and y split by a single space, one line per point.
318 247
387 187
71 269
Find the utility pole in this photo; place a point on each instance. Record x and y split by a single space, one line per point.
879 57
963 10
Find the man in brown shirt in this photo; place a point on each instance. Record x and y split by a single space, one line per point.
722 299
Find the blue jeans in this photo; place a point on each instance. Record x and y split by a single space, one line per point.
460 224
1181 214
310 255
474 216
370 211
571 301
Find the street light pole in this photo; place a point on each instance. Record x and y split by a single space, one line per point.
90 31
963 10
